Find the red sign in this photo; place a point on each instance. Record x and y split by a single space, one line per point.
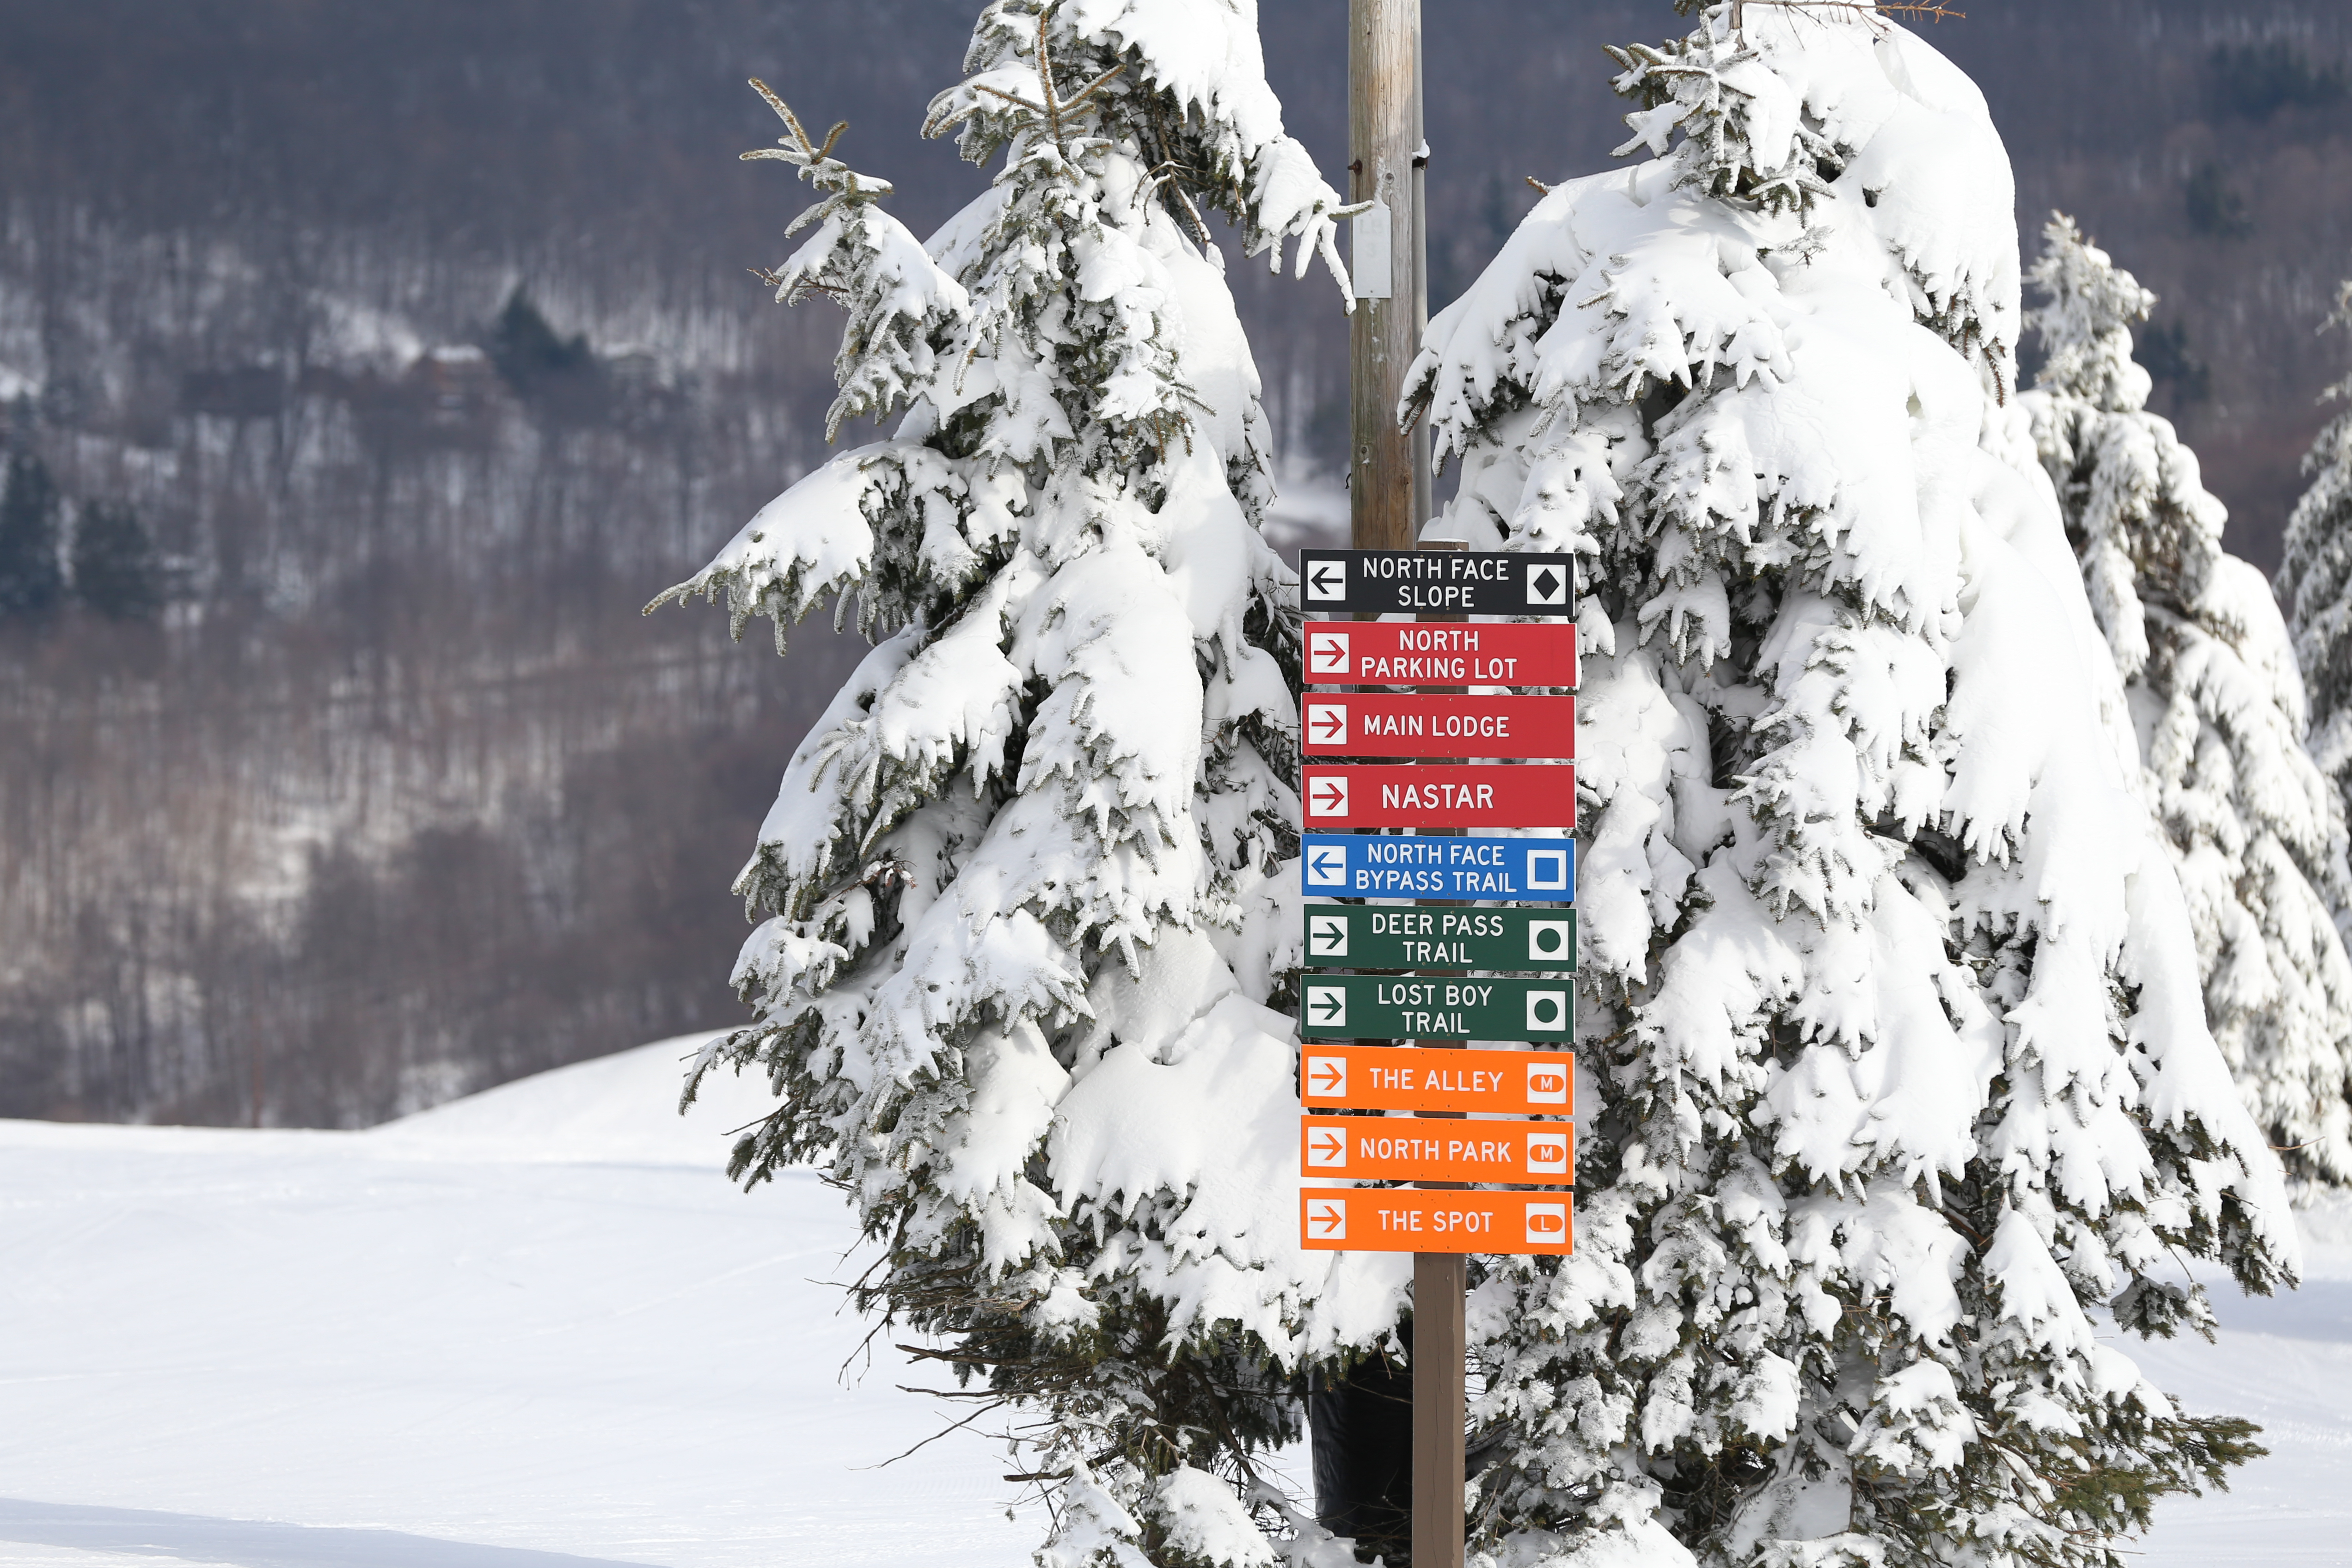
1438 794
1401 1078
1406 1219
1361 724
1409 1149
1405 653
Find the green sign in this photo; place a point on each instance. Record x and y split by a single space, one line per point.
1369 936
1425 1008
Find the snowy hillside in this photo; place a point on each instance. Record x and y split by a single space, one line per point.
512 1321
502 1334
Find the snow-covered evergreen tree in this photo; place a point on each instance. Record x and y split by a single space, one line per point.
114 568
2314 579
1895 1078
31 580
2256 830
1023 880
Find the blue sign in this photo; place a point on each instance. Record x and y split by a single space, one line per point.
1389 866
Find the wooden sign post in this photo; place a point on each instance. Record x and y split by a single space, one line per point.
1388 499
1402 828
1390 817
1388 469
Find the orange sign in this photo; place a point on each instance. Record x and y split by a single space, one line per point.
1400 1078
1403 1149
1408 1219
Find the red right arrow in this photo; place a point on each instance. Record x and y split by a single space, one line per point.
1332 794
1330 724
1328 1076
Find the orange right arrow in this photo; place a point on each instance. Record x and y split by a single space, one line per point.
1328 1076
1330 1144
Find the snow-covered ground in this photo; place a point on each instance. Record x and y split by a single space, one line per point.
535 1321
536 1329
2286 1362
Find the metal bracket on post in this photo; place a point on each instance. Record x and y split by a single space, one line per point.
1371 255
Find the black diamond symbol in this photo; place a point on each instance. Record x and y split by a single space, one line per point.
1544 585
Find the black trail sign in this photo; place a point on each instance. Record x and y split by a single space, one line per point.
1430 582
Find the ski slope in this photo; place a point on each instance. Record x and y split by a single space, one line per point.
538 1329
539 1319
